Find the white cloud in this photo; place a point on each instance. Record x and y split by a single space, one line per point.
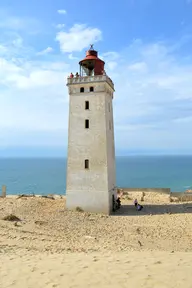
18 42
3 49
71 57
61 11
37 78
138 67
112 65
33 99
45 51
111 55
60 26
110 58
153 99
14 23
78 37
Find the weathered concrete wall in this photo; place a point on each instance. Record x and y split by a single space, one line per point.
182 196
89 201
110 142
156 190
176 196
4 190
91 189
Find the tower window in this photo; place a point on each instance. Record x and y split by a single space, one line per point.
86 164
82 89
110 125
91 89
86 105
109 107
86 123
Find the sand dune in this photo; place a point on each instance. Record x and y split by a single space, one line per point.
53 247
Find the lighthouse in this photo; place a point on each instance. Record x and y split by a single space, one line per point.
91 176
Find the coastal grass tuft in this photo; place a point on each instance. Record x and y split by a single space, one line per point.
11 217
79 209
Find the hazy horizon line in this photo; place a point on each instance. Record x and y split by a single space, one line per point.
116 156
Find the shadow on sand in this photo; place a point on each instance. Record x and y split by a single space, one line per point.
154 209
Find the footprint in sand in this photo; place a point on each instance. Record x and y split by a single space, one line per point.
158 262
33 269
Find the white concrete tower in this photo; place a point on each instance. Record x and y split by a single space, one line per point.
91 181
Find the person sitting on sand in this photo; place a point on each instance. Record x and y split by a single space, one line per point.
137 205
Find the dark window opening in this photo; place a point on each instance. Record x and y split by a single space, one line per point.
82 89
109 107
91 89
86 164
86 123
86 105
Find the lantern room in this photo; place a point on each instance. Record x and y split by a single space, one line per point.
91 65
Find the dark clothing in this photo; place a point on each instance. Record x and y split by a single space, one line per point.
118 203
139 207
135 202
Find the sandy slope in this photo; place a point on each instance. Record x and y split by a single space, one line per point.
133 269
52 247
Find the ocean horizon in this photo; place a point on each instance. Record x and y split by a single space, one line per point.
48 175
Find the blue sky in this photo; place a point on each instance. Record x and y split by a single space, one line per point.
146 45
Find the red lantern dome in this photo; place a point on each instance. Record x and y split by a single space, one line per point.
91 65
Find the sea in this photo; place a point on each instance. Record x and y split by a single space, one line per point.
48 175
